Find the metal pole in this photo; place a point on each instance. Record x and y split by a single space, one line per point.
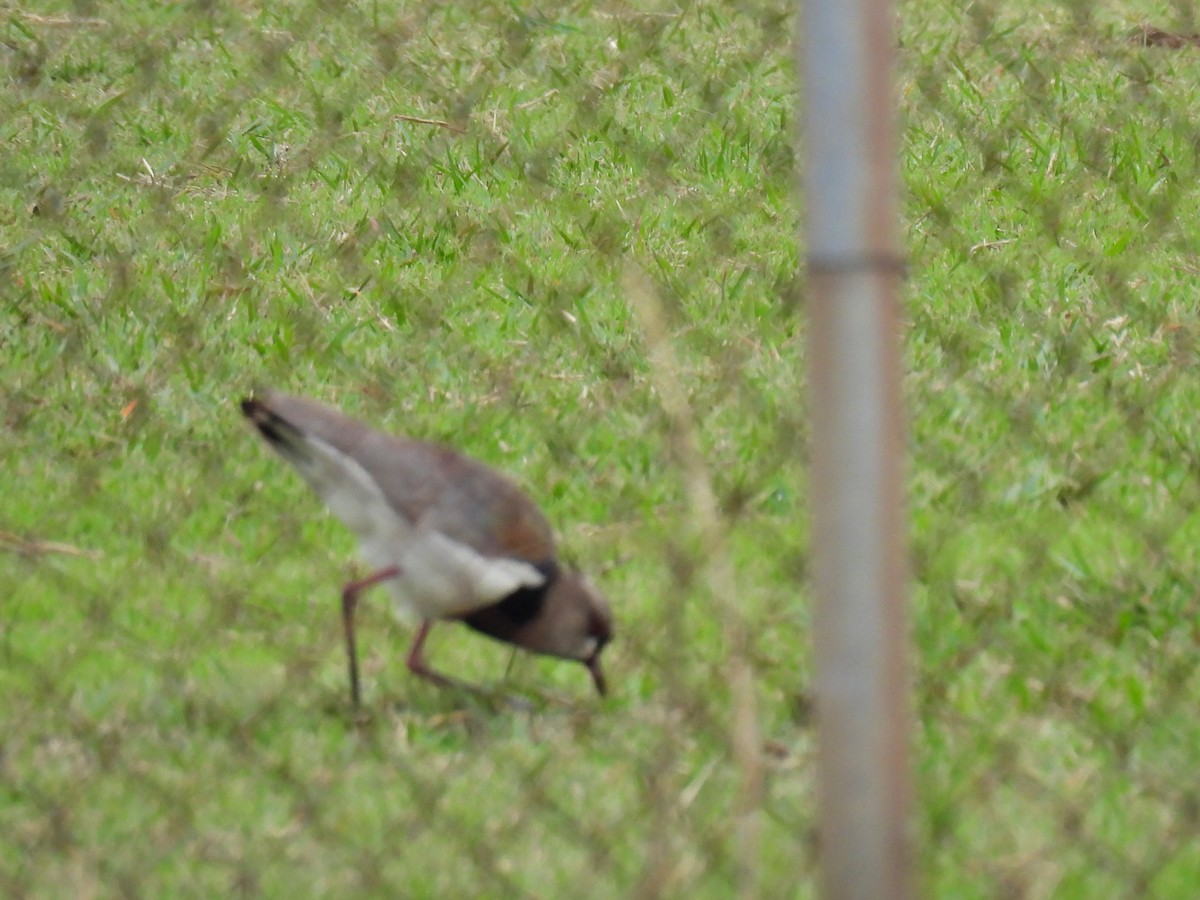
860 623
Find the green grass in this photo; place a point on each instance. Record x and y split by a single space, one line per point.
430 216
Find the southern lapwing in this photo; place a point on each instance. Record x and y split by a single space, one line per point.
450 537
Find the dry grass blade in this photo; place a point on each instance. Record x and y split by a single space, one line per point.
35 547
745 736
63 21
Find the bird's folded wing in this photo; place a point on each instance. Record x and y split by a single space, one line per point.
354 497
485 580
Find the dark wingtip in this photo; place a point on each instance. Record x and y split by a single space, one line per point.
249 407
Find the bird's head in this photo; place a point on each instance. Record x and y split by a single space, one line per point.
576 623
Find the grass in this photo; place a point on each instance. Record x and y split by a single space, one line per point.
430 216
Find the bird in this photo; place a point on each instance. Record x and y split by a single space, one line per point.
449 536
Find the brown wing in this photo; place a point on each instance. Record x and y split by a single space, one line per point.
431 484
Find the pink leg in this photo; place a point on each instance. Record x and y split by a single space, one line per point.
416 660
349 602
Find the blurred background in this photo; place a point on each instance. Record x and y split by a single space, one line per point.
564 240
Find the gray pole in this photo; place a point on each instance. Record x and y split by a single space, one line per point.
860 623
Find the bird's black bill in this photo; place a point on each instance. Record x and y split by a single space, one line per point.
593 666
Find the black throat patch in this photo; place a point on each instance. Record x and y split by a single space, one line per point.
505 617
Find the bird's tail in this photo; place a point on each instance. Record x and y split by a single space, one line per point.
282 435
